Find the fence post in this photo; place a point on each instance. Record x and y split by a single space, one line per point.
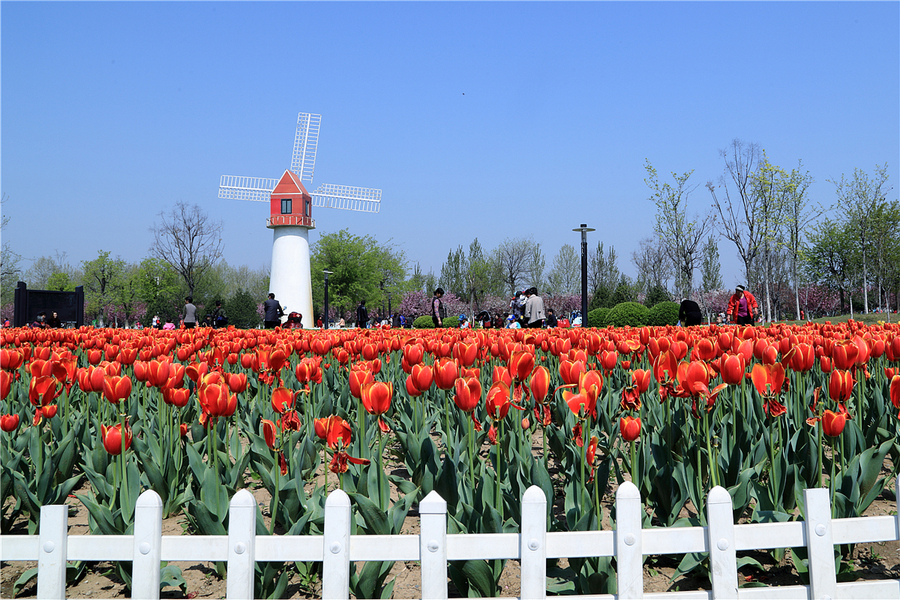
241 546
433 546
819 541
722 553
147 546
336 562
629 552
52 537
533 544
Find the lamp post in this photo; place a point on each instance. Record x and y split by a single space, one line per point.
327 273
390 312
584 299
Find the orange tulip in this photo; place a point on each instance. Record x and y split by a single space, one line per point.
237 382
376 397
465 353
333 430
640 378
176 396
608 360
112 438
497 401
6 380
630 427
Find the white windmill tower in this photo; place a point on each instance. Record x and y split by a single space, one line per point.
291 214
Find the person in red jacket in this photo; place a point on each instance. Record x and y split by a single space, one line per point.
742 307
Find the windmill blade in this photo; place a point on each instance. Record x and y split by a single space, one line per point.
236 187
303 159
347 197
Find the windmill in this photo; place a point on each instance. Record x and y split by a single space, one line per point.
291 214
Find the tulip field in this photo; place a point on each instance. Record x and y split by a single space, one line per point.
389 415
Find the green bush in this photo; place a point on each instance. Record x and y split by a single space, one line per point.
423 322
655 295
597 317
663 313
628 313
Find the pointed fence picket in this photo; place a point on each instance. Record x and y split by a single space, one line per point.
433 547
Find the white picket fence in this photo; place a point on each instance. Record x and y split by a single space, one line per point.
336 549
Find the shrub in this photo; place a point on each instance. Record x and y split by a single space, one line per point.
597 317
629 313
663 313
423 322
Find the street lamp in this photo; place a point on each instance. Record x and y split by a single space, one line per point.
390 312
327 273
584 299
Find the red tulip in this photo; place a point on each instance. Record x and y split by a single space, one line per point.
840 386
282 399
9 423
357 379
6 380
42 390
237 382
340 459
333 430
630 428
465 353
895 389
640 378
422 376
768 379
497 401
116 389
176 396
269 433
833 423
112 438
608 360
521 365
468 393
733 368
376 397
445 373
540 383
216 401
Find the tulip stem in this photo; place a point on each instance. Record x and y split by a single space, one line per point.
275 497
633 471
820 464
472 454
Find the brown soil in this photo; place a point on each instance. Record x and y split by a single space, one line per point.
869 561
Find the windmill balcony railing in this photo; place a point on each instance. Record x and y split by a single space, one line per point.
295 220
337 549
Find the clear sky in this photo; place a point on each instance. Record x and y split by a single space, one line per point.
487 120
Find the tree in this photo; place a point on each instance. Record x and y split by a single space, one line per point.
799 215
859 199
565 274
680 235
885 244
359 267
515 260
158 286
770 191
42 270
241 309
654 268
710 267
603 271
189 241
829 257
453 272
737 212
104 278
9 268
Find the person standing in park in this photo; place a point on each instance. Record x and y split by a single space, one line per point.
362 315
273 313
218 316
437 308
190 313
742 307
689 313
534 308
551 321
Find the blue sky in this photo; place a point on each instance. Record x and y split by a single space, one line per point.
488 120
